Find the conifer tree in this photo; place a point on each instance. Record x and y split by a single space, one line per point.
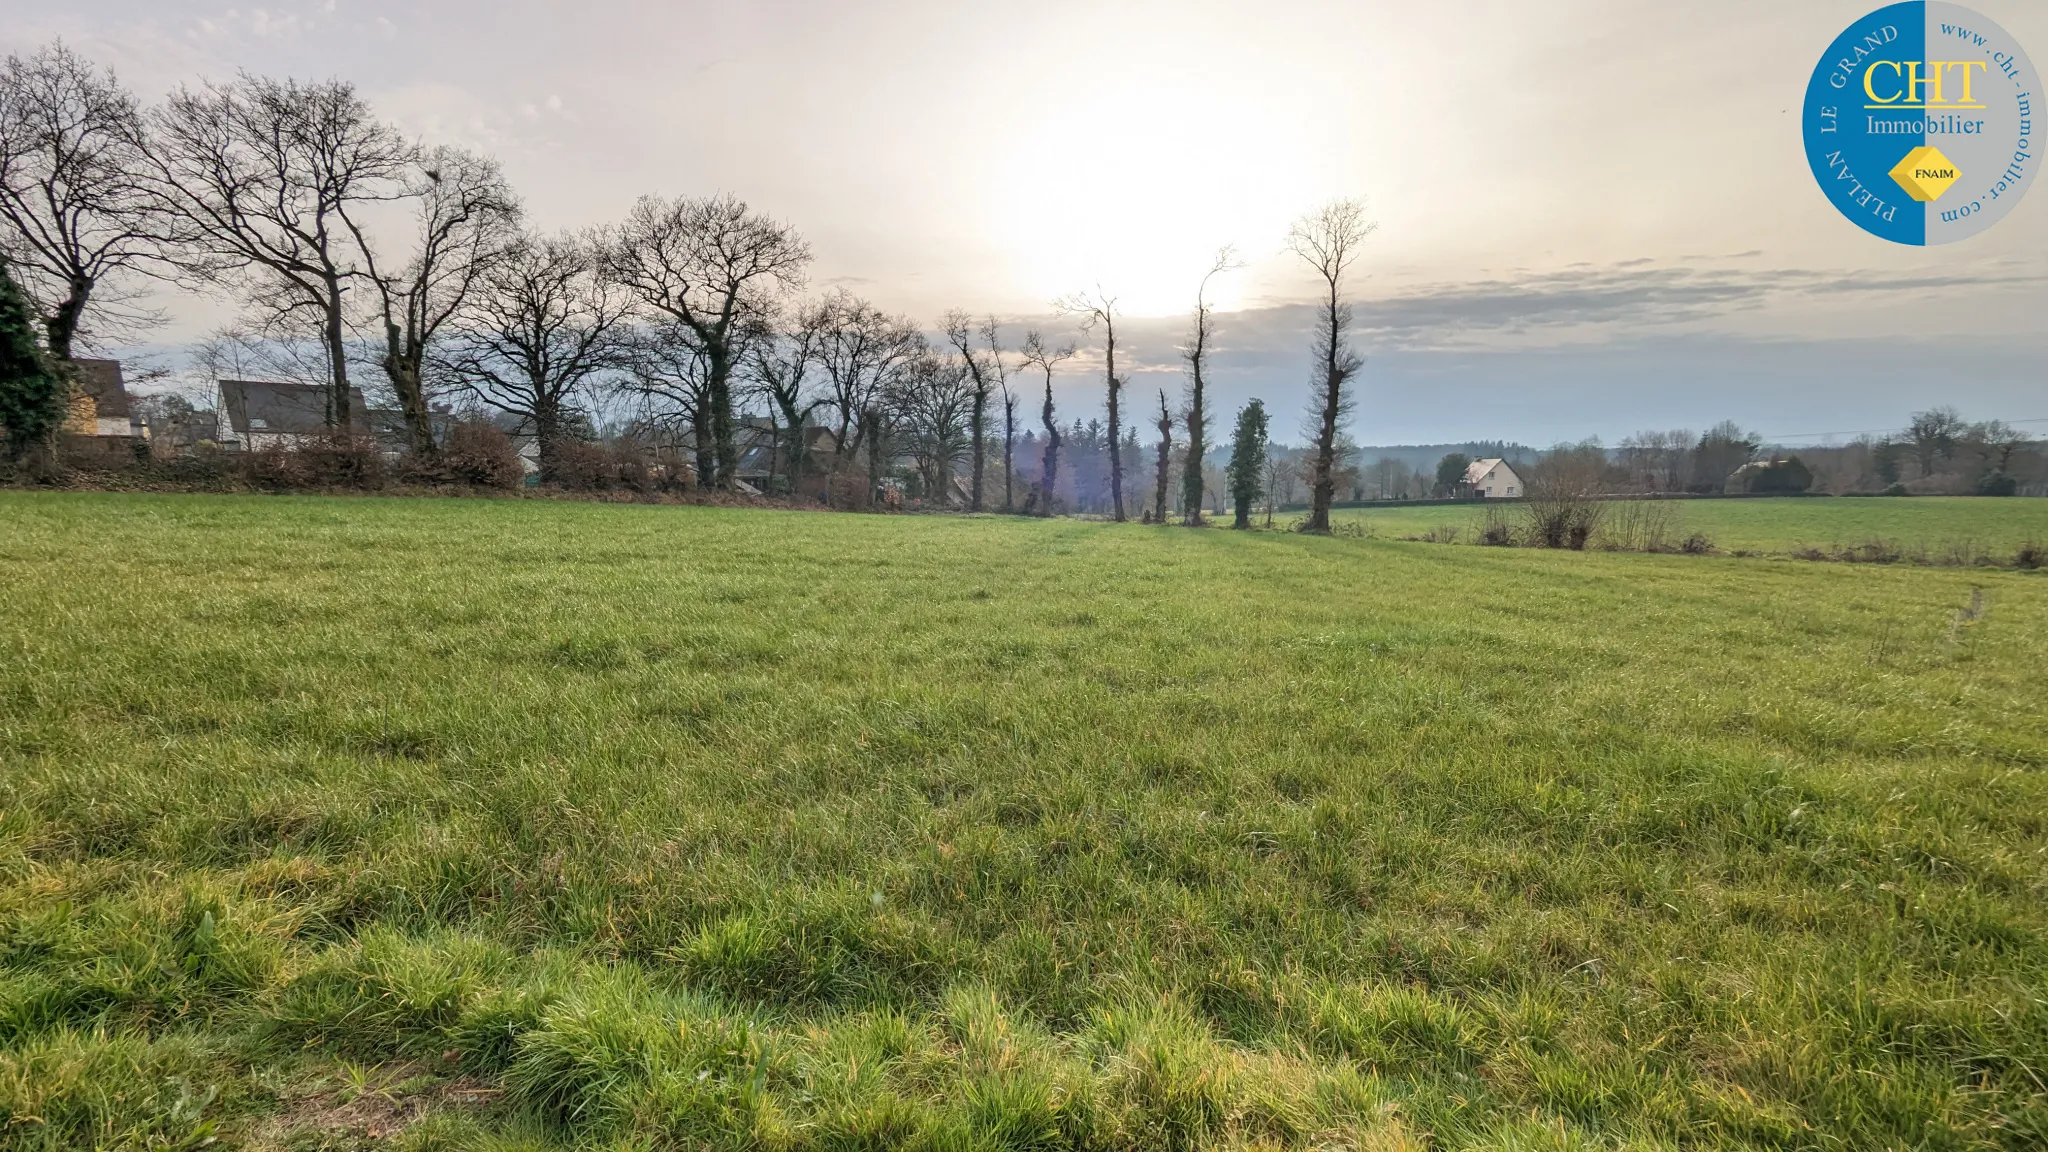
32 394
1247 461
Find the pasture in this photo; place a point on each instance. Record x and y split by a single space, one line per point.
515 824
1933 526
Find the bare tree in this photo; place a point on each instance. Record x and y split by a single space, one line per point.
934 399
74 212
1329 240
664 364
266 181
1196 353
466 219
960 333
781 368
714 266
1934 435
1045 360
1165 427
991 335
1099 308
540 329
860 349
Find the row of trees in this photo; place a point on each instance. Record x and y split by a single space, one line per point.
359 254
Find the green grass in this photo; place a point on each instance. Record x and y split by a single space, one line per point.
1935 525
546 824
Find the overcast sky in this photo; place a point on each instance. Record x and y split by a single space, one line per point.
1595 215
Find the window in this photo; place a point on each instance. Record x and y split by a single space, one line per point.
1511 489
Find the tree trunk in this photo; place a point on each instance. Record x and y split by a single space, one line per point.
1009 448
728 456
1165 460
547 435
1116 463
874 439
339 417
980 448
1244 513
1051 473
1191 474
1325 485
61 327
402 366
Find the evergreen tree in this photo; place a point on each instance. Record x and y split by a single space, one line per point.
32 394
1247 461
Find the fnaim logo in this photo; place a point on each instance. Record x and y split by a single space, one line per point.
1919 123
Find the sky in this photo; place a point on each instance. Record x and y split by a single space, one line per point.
1594 216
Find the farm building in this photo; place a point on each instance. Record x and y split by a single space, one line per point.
1493 478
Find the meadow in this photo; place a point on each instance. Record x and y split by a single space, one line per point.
338 823
1936 527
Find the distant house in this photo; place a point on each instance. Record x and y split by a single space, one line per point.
761 466
263 414
1493 479
101 407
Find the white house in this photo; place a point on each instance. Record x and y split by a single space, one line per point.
1493 479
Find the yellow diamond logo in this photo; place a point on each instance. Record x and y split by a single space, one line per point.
1925 173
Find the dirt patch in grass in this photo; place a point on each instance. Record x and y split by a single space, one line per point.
352 1104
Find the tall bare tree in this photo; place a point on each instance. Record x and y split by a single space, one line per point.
715 266
781 366
663 363
540 329
74 211
934 400
991 335
267 181
960 333
1196 353
1098 308
1330 240
1165 427
466 218
860 349
1038 355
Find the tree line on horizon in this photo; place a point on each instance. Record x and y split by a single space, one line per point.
359 255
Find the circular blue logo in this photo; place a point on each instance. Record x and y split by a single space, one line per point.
1919 123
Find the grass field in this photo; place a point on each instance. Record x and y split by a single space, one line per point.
1935 525
524 825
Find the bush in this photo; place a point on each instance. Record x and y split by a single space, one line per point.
2030 556
1496 532
337 461
475 454
1998 484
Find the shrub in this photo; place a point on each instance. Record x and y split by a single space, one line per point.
475 454
1998 484
1496 532
2030 556
336 461
1696 544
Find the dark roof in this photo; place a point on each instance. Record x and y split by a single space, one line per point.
295 408
101 380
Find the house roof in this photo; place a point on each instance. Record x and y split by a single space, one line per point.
273 406
101 380
1479 468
